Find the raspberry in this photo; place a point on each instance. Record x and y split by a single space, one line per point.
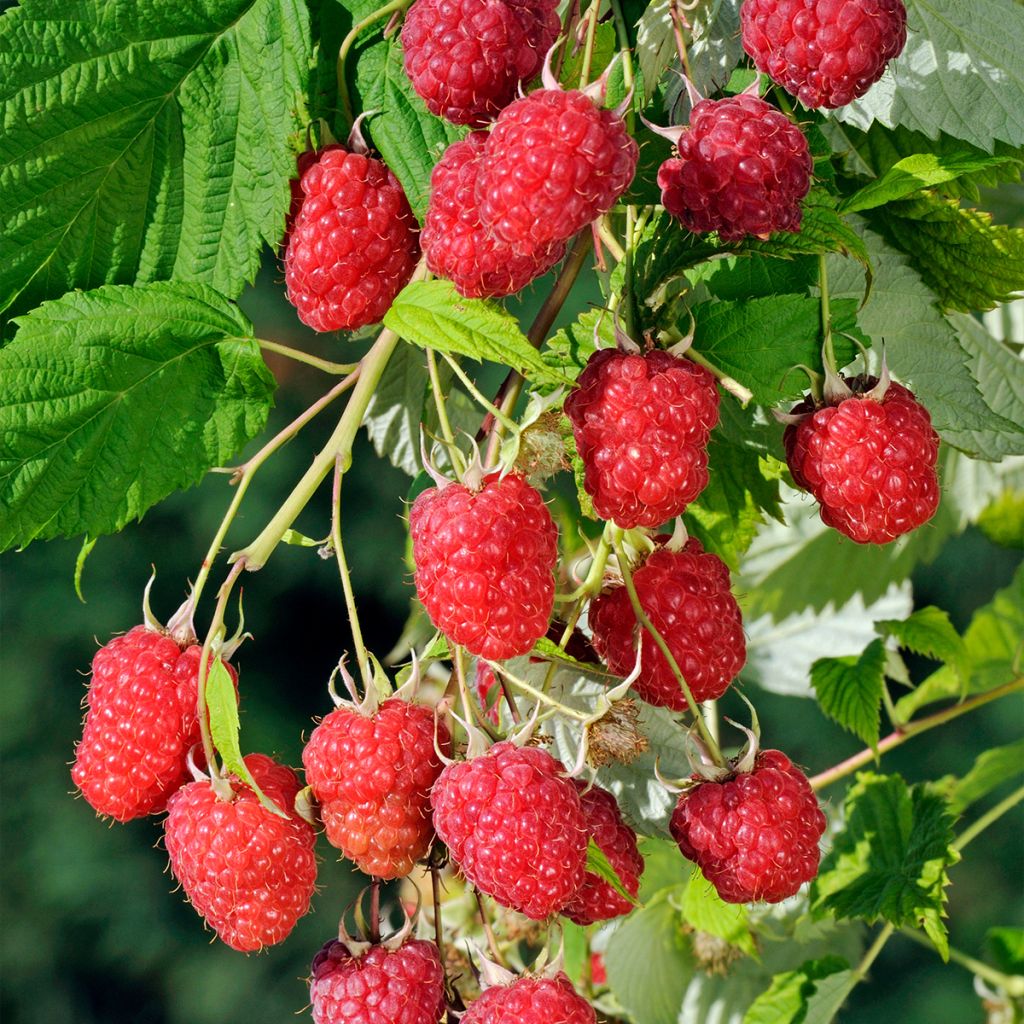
400 986
596 900
459 247
515 827
531 1001
869 463
641 425
553 162
755 835
247 871
302 164
353 245
686 595
484 564
372 775
825 52
467 58
140 725
743 169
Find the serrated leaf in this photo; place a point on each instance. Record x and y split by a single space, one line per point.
755 277
929 632
990 770
568 350
850 690
960 73
715 48
145 141
115 398
598 864
789 999
431 314
705 911
890 859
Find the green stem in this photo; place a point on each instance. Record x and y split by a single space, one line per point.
990 817
628 79
829 353
1012 984
607 236
349 41
304 357
900 736
346 581
861 970
458 463
499 416
538 695
733 386
588 46
644 620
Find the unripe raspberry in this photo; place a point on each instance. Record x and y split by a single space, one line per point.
484 564
467 58
596 900
515 827
553 163
686 596
743 169
531 1001
755 835
140 724
372 775
381 986
249 872
826 52
641 424
870 463
353 246
459 247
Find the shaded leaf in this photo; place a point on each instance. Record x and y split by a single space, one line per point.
850 690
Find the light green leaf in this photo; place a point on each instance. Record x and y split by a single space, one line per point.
575 949
890 859
850 690
1003 520
431 314
990 770
115 398
143 141
569 349
598 864
705 911
789 998
928 632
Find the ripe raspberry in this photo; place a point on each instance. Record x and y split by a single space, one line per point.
553 162
515 827
531 1001
459 247
385 986
302 164
140 725
372 775
869 463
825 52
353 245
484 564
686 595
247 871
467 58
596 900
755 835
641 425
743 169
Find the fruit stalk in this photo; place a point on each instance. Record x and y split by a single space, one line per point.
346 580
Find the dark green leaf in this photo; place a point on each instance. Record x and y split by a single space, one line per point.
1007 945
928 632
850 690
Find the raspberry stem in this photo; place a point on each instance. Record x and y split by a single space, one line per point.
346 580
457 461
730 384
972 832
588 46
861 970
829 352
339 369
1012 984
347 43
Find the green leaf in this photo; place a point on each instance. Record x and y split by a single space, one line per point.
891 857
715 48
575 950
655 46
757 277
115 398
1007 945
791 993
995 651
598 864
928 632
1003 520
850 690
144 141
705 911
990 770
88 543
569 349
431 314
960 73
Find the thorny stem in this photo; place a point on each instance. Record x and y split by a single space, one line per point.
304 357
346 580
1012 984
347 43
644 620
458 464
990 817
507 422
471 711
900 736
588 46
492 942
733 386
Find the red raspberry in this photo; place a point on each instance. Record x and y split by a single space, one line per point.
755 835
743 169
596 900
826 52
686 595
484 564
353 245
515 827
869 463
459 247
531 1001
302 164
553 162
372 775
467 58
641 425
488 691
140 725
598 971
383 986
247 871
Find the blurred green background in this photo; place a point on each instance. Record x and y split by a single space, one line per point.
91 929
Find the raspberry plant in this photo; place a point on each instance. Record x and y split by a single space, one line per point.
756 392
